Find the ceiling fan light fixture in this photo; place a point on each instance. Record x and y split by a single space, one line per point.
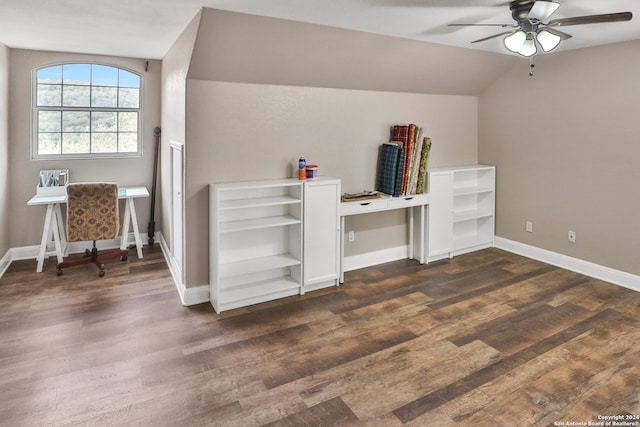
528 47
547 40
514 41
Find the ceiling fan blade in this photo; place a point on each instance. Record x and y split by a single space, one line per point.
542 10
561 34
492 37
482 25
591 19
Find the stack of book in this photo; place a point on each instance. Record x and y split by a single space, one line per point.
402 162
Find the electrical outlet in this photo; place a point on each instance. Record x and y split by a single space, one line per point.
571 236
528 226
352 236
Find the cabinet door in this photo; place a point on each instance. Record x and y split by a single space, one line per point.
321 234
440 228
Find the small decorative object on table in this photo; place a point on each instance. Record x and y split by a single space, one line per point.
302 166
364 195
312 171
53 182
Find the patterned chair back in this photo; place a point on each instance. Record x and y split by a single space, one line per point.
92 211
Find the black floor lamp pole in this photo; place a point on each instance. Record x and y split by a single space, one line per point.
152 222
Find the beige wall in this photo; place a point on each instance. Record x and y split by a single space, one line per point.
4 151
566 146
26 221
243 48
262 91
240 131
175 66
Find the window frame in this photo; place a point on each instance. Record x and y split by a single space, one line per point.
35 109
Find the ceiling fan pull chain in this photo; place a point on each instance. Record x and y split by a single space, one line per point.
531 66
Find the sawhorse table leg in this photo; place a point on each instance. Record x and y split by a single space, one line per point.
130 218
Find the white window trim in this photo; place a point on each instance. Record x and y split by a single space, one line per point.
82 156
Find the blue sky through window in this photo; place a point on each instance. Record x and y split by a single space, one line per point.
50 75
104 76
98 75
128 79
76 74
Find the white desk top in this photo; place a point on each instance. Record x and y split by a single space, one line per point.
383 203
132 192
123 193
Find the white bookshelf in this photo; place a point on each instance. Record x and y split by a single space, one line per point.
255 242
462 210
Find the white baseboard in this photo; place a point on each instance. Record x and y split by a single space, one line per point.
31 252
200 294
197 295
188 296
368 259
5 262
24 252
617 277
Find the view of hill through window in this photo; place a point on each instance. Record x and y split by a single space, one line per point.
87 108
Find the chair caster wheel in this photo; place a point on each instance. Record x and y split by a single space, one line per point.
101 273
59 272
124 258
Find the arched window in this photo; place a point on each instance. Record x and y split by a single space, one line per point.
86 111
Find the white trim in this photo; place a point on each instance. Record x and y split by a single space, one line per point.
200 294
197 295
179 266
24 252
188 296
5 262
85 156
355 262
31 252
617 277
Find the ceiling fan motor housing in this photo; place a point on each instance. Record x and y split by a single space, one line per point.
520 9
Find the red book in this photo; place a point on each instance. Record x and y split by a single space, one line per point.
400 134
408 152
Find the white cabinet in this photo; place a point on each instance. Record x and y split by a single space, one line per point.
255 242
321 264
462 210
440 222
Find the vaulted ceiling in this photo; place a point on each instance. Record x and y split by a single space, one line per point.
147 28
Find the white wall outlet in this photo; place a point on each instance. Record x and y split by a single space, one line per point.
528 226
352 236
571 236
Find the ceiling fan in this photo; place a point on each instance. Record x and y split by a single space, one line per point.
532 28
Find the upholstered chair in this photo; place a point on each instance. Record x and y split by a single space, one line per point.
92 214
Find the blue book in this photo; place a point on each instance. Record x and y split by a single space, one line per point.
388 168
399 173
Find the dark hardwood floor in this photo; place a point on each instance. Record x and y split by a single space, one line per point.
484 339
